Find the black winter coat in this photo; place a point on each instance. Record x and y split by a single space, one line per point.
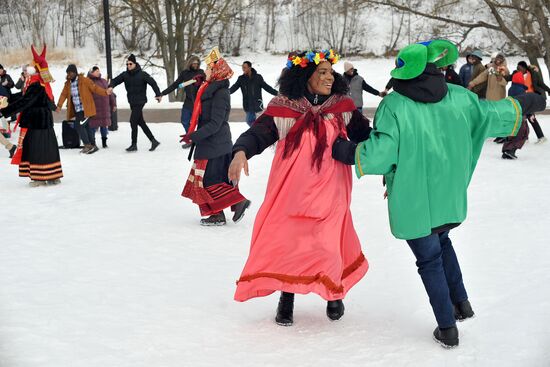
35 107
251 88
452 77
8 80
538 83
190 90
135 81
213 136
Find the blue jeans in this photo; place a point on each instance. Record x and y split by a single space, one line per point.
186 117
438 267
250 117
104 131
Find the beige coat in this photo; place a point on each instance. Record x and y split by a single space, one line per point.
85 89
496 82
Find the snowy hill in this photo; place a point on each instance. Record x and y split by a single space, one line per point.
111 268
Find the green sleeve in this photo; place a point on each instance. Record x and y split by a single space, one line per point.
498 118
378 154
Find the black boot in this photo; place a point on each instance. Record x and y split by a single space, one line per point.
499 140
448 337
132 148
214 220
463 311
240 209
104 142
12 151
285 310
509 154
154 145
335 310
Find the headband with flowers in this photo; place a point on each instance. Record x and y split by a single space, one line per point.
312 56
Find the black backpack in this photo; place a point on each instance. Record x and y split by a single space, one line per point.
69 135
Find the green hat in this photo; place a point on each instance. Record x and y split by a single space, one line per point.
442 53
410 62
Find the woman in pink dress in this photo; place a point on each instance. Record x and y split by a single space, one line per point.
303 239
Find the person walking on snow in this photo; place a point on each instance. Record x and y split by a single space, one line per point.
303 239
191 72
135 81
104 105
357 85
78 92
512 143
251 84
426 141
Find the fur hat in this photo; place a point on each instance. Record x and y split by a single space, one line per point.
348 66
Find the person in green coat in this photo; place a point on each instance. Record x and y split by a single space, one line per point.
426 141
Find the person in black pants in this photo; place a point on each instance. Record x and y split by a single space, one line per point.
135 81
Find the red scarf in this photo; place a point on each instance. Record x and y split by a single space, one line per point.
309 117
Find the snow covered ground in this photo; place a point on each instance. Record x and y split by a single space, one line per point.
111 268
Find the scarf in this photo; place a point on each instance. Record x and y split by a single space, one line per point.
309 117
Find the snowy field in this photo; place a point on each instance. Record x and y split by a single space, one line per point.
111 269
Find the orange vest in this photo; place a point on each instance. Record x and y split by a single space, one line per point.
529 82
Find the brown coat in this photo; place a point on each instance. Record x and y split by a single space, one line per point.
85 88
496 85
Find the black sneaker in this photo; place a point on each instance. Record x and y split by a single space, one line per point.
448 337
335 310
12 151
240 208
132 148
285 310
93 149
508 154
463 311
499 140
214 220
154 145
186 145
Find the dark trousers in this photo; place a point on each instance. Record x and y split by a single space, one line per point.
536 126
440 272
103 130
136 119
83 129
513 143
186 114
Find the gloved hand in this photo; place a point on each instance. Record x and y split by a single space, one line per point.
343 151
185 139
3 102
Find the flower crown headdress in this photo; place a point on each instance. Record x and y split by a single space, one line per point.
312 56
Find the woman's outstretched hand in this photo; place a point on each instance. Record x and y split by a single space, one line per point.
238 163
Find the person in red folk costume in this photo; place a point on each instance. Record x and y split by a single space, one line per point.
37 154
303 239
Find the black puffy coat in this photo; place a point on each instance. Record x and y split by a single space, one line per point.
190 90
251 88
35 107
213 135
5 78
135 81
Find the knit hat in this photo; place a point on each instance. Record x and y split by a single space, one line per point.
1 67
132 58
72 67
348 66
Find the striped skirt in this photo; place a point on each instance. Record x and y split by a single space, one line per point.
40 159
208 186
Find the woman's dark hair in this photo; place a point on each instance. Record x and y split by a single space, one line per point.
522 63
94 68
293 81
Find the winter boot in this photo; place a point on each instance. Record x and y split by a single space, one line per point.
285 310
240 208
448 337
87 148
499 140
34 183
509 154
541 140
463 311
214 220
335 310
132 148
104 143
186 145
12 151
93 149
54 182
154 145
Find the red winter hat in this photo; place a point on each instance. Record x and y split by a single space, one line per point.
518 78
41 64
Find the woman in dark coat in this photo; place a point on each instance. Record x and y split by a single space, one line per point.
104 106
39 159
208 185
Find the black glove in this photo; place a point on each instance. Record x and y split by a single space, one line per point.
344 151
531 103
